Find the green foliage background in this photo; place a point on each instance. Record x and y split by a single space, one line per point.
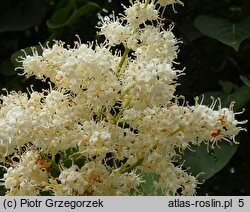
215 52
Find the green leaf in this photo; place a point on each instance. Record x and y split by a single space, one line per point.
20 53
241 97
189 31
147 187
2 188
89 7
71 156
206 164
22 15
245 80
67 15
231 34
60 17
2 191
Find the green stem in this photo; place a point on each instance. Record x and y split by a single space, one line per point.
52 161
53 158
125 54
146 3
118 116
125 92
44 157
176 131
129 168
101 115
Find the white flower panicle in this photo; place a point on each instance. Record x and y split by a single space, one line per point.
151 83
78 69
18 118
27 176
138 13
111 118
94 179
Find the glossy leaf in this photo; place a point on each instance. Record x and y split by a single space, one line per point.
67 15
87 8
190 32
147 187
245 80
60 17
241 97
231 34
22 15
207 163
2 188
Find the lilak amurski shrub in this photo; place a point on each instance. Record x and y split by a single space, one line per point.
110 117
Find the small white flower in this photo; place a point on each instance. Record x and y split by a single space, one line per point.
138 14
115 32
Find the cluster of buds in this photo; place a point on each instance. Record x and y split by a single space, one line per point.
109 118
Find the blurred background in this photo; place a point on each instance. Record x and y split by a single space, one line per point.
215 52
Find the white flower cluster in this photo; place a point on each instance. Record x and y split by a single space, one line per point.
110 118
26 175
